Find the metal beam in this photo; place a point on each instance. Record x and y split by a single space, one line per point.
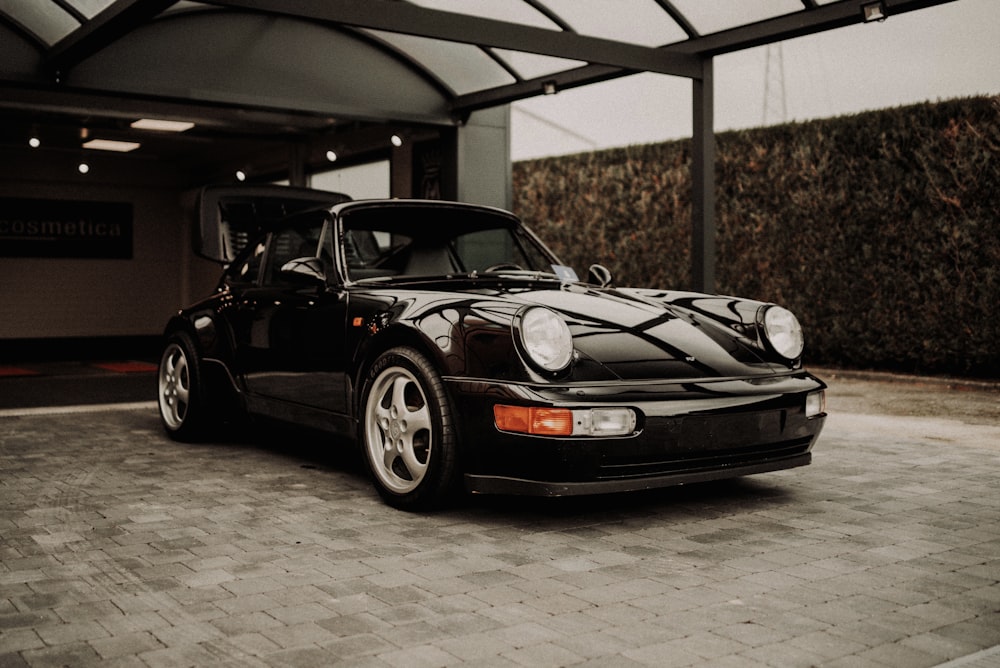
118 19
62 101
703 182
409 19
581 76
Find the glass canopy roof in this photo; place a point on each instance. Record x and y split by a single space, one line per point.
645 22
480 49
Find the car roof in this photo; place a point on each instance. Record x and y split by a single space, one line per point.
421 204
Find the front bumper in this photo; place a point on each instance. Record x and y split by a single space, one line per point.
689 431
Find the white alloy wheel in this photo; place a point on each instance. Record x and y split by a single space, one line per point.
407 431
175 386
399 430
184 411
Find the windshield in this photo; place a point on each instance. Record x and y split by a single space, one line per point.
437 241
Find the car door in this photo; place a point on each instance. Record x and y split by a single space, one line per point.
292 348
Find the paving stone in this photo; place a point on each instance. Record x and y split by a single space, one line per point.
257 622
70 654
898 654
545 654
60 634
475 648
667 655
298 635
418 656
178 656
360 645
13 641
463 623
788 656
125 645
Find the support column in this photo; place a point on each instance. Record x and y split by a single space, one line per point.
467 163
484 172
401 171
703 182
297 165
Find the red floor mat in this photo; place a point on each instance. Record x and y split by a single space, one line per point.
12 371
126 367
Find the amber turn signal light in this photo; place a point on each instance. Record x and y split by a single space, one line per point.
532 420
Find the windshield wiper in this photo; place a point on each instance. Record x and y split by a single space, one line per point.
516 273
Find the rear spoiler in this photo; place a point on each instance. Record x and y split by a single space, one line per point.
228 217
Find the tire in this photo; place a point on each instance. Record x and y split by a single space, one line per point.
407 431
184 411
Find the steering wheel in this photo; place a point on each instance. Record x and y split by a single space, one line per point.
503 265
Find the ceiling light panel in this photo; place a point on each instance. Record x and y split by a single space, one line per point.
111 145
160 125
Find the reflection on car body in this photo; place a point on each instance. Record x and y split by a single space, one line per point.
461 354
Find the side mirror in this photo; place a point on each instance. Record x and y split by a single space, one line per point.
599 275
305 270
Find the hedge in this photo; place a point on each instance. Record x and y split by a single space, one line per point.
880 230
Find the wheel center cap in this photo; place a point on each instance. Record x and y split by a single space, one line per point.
394 429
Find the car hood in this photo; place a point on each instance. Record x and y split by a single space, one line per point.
619 334
649 334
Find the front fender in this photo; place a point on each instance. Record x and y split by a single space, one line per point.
468 338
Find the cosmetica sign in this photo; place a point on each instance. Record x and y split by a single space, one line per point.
66 229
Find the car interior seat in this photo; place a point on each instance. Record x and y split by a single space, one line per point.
429 261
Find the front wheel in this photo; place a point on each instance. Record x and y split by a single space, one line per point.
407 431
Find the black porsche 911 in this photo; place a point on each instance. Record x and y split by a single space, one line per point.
462 355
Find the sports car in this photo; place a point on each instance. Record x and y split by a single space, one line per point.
462 356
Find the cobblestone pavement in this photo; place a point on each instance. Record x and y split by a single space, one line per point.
122 548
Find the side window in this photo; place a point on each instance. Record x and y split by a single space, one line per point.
287 244
246 266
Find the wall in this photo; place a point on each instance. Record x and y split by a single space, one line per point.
54 297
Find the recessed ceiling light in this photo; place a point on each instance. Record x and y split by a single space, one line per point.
161 125
112 145
874 11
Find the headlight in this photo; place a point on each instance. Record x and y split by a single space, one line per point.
783 332
545 338
815 403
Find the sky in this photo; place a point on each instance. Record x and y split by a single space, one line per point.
940 53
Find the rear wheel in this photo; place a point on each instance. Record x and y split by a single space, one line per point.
180 394
408 432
